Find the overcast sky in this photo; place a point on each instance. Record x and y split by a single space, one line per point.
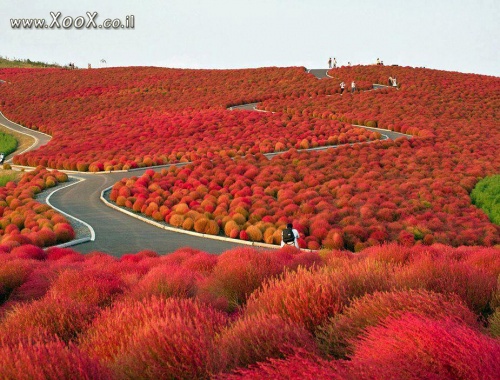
455 35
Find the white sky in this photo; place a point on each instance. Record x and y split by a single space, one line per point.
455 35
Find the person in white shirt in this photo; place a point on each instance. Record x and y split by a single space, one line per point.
353 87
290 236
342 87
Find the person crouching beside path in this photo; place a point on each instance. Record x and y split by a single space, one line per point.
290 236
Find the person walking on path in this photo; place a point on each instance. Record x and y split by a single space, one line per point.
342 87
353 87
390 81
330 63
334 63
290 236
394 82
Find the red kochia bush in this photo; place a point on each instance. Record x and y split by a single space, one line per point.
36 285
299 366
167 281
335 336
306 297
155 339
13 273
90 286
240 271
261 337
29 252
116 329
57 254
47 361
415 347
63 317
443 275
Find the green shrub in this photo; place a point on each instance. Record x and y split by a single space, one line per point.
486 195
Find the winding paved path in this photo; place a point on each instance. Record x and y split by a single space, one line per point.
115 232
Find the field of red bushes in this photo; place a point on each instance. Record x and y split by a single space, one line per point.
350 197
135 117
426 306
390 312
413 191
23 220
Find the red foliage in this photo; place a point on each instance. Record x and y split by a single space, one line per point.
305 297
415 347
29 252
156 338
93 287
336 336
474 285
242 270
24 221
340 298
167 281
299 366
179 115
49 361
62 317
261 337
413 191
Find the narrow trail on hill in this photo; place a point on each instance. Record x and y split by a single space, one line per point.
114 232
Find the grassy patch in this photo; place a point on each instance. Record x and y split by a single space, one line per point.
4 63
7 176
23 141
486 196
8 143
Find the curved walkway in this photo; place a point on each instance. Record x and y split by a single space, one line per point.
39 138
115 232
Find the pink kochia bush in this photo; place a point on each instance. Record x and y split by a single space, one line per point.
251 313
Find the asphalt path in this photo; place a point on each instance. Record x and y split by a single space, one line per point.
319 73
117 233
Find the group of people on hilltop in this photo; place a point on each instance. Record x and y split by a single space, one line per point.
333 64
